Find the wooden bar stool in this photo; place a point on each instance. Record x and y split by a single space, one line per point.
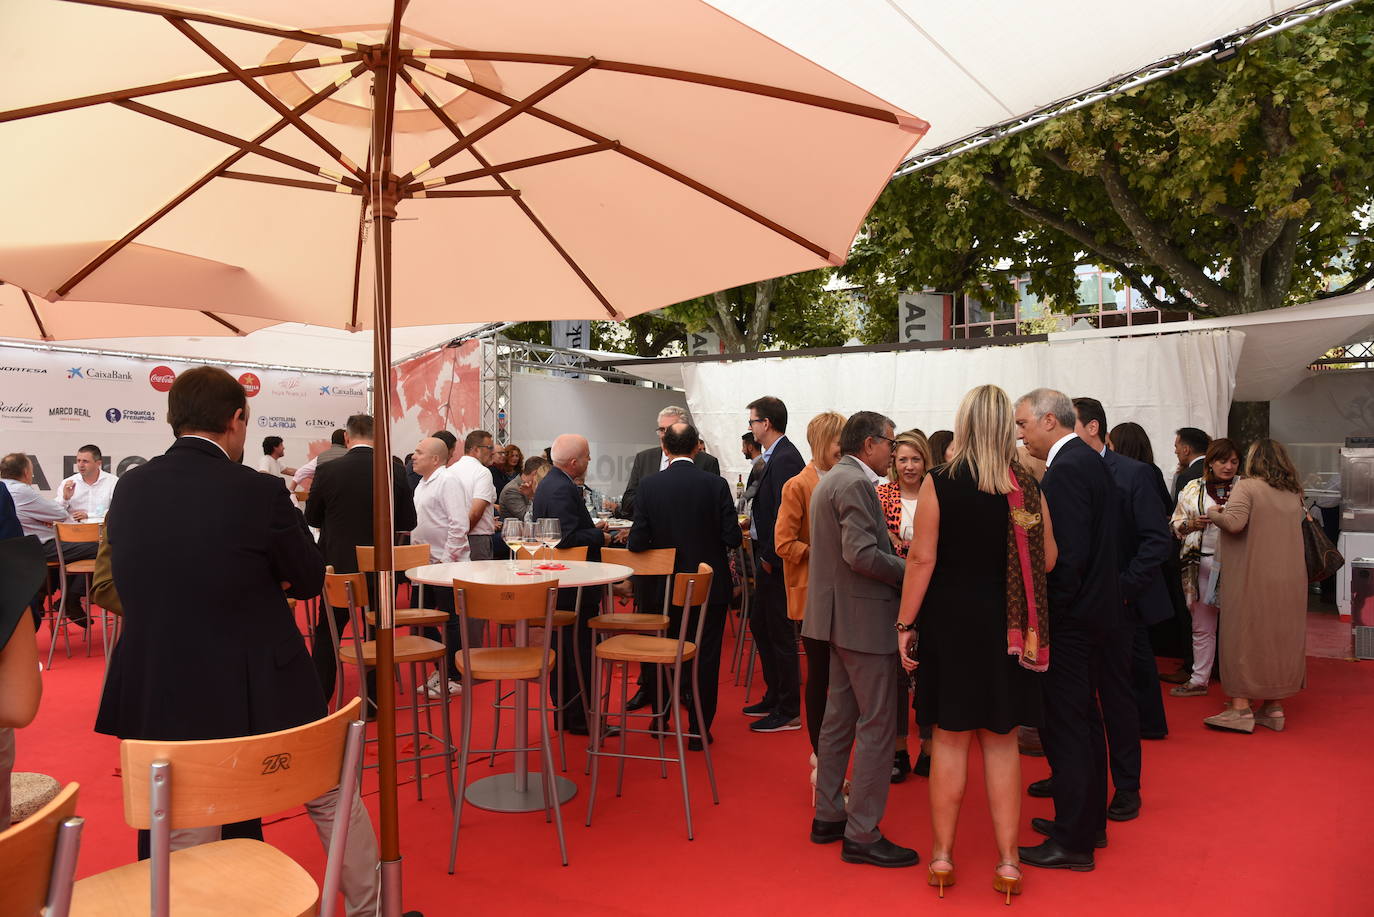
691 591
76 533
38 859
518 605
350 590
405 556
169 785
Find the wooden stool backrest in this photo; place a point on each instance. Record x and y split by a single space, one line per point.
658 562
403 556
221 781
27 851
577 553
699 583
78 532
302 496
336 589
515 602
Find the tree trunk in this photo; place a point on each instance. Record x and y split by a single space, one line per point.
1247 422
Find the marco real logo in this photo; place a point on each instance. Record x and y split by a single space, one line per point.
161 378
251 385
69 412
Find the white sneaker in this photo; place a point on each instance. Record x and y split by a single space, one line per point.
431 687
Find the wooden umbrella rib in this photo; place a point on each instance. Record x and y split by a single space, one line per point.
37 320
291 182
685 76
213 317
277 105
358 260
500 179
262 28
115 247
517 164
487 192
513 110
642 159
266 152
189 82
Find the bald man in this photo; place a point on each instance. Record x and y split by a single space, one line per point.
559 497
441 521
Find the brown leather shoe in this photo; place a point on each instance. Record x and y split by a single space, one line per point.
1176 677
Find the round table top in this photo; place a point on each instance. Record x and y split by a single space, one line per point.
498 573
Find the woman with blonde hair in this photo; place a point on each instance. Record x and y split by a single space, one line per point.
792 541
1263 591
975 588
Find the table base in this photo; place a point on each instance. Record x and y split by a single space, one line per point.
498 793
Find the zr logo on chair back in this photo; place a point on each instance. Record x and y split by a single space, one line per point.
278 762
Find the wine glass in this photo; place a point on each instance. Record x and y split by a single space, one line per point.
603 508
513 534
549 534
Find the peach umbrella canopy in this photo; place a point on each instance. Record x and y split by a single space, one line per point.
589 159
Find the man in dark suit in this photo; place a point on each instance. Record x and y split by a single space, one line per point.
648 590
852 601
691 511
340 506
1190 445
559 497
1132 705
1085 608
780 707
205 554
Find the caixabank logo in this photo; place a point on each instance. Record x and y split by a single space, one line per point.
133 415
276 422
350 391
69 412
96 374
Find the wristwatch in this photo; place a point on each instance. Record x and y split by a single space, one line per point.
903 628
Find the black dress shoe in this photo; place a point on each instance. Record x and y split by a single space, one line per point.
1050 855
901 765
1154 736
1043 825
695 744
922 768
762 708
827 832
638 702
881 852
1041 789
1125 805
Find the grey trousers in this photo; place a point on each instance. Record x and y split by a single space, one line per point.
6 772
359 880
860 714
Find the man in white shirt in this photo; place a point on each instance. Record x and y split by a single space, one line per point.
472 470
272 451
441 521
37 514
86 495
306 473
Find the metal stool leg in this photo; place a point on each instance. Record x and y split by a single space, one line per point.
681 751
466 742
415 727
704 737
550 781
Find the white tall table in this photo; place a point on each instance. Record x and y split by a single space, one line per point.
516 792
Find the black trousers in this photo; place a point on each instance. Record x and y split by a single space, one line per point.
1149 697
322 651
776 639
565 682
1074 739
708 662
817 686
1120 708
251 830
75 586
648 592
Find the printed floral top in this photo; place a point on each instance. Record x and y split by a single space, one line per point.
890 496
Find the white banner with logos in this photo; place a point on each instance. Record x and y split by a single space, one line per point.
52 403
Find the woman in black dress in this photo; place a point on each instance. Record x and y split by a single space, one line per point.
977 650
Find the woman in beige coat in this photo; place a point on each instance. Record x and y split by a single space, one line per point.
1263 591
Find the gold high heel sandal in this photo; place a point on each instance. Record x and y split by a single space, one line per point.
941 878
1270 715
1007 885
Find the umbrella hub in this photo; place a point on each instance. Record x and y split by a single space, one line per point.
383 191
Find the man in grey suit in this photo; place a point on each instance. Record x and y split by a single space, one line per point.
855 588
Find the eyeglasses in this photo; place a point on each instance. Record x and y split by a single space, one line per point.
888 440
754 420
660 430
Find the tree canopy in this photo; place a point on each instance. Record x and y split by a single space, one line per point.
1225 188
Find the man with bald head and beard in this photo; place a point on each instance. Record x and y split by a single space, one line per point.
559 497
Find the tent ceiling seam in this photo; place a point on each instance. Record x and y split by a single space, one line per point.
948 56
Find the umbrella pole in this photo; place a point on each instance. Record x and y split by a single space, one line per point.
382 187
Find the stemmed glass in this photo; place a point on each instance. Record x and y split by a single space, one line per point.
549 533
513 534
603 511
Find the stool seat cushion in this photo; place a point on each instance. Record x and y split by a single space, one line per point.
408 649
635 622
29 793
506 663
643 648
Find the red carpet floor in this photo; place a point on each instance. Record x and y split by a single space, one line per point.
1232 824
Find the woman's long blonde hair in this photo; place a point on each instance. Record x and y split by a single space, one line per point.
985 438
823 430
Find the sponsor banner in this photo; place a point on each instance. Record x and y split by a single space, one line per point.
52 403
439 390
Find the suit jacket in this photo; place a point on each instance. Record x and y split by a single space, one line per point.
783 465
792 537
646 463
1143 540
1191 473
1082 588
692 511
9 516
855 579
559 497
340 506
199 547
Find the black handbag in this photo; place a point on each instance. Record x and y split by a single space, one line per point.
1322 558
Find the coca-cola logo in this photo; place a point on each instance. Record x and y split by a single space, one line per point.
251 384
161 378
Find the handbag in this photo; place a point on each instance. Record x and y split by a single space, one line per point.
1322 558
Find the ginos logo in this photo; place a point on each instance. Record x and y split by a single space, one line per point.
251 384
161 378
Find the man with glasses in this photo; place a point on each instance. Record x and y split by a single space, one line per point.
780 708
473 469
648 590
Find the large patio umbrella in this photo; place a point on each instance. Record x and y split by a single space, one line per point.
368 164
